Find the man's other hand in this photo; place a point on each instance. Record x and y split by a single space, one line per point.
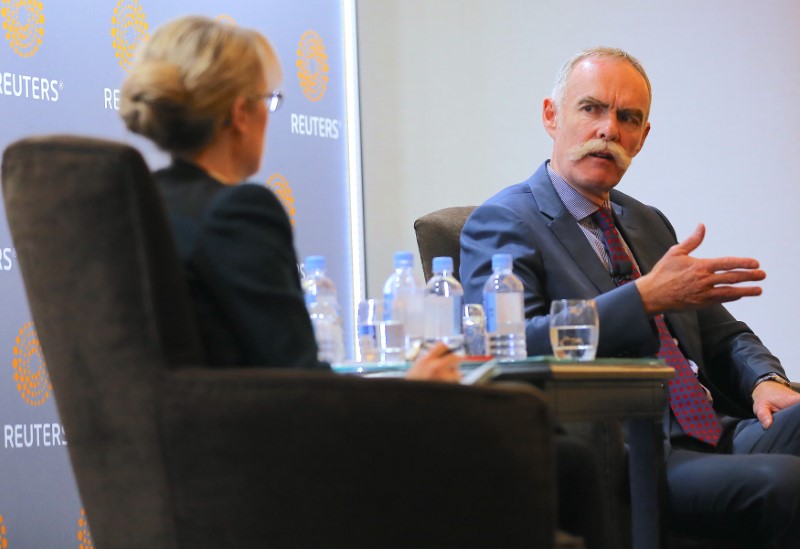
770 397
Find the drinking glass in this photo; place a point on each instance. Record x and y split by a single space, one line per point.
391 341
474 323
574 329
368 317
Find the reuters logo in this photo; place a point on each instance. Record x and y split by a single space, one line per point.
128 30
226 19
23 23
278 185
312 66
30 373
84 536
3 533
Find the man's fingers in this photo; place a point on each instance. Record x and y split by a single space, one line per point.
725 294
764 416
691 242
734 278
737 277
748 264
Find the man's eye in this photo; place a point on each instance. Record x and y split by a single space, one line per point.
589 108
629 118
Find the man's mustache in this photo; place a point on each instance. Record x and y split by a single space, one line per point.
595 146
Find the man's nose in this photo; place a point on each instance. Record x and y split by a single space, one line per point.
608 129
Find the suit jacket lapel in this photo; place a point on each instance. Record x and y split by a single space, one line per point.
566 230
634 238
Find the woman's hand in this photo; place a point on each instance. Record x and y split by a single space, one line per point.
438 364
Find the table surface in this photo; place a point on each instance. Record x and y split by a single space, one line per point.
543 366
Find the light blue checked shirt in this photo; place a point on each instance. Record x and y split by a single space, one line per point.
581 208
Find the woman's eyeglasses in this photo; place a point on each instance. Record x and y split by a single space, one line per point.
273 99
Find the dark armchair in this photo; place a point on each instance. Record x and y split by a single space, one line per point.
167 453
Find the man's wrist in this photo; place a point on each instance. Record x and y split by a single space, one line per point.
772 376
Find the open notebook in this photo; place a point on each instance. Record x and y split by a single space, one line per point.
482 374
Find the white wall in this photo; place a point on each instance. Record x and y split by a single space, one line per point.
451 95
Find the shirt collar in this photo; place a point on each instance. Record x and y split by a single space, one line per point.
577 205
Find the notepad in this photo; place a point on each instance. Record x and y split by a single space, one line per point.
482 374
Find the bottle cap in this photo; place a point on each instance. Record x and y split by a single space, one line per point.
501 262
315 263
442 264
403 259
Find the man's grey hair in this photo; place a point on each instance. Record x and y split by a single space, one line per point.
560 86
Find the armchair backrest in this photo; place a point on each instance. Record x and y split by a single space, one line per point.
439 234
111 309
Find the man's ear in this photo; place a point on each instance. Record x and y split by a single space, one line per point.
549 117
641 143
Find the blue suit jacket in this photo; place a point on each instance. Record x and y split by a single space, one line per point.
554 260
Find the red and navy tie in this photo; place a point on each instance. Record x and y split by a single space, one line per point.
687 397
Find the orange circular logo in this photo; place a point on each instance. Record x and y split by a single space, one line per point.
30 372
278 185
84 536
3 534
128 30
23 25
312 66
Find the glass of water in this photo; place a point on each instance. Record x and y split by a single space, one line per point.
474 323
369 316
574 329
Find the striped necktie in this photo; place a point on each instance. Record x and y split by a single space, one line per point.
687 397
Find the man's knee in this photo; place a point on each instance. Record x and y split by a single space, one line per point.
776 480
754 497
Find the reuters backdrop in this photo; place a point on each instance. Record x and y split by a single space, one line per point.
61 65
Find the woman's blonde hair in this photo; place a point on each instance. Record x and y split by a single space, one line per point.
182 86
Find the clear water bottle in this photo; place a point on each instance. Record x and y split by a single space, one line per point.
323 308
403 301
505 316
443 296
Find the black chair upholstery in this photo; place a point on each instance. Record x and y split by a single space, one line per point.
169 454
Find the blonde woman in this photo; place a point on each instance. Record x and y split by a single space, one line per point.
203 91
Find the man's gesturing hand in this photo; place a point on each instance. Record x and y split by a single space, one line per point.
679 281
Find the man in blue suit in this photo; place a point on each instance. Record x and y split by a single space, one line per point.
734 471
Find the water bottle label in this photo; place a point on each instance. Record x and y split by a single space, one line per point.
388 303
490 306
442 316
415 315
504 312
